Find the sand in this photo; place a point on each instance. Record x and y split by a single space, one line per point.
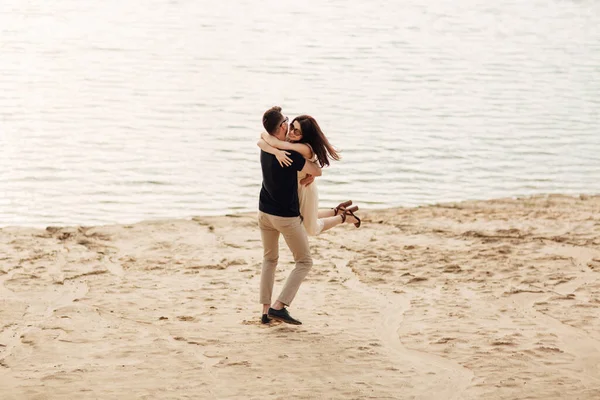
491 299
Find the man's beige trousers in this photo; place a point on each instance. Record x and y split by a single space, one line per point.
295 236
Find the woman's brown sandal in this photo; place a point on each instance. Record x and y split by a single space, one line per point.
341 207
350 211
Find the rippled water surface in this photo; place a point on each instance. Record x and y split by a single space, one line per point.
118 111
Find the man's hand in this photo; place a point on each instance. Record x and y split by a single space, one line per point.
307 180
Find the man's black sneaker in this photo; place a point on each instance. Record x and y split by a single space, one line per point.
284 316
265 319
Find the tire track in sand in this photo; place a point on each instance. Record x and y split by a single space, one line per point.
443 378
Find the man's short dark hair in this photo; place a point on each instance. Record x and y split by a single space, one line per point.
272 119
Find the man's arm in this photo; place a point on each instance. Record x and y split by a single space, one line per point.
307 180
312 168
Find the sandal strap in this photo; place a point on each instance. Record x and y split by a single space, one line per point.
341 207
350 212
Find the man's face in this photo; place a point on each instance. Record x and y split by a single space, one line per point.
283 127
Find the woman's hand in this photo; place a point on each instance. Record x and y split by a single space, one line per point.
282 157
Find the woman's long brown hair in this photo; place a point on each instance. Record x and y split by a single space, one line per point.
314 136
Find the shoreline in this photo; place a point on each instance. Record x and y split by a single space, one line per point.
246 213
477 299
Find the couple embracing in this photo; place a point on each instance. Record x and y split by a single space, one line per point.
292 156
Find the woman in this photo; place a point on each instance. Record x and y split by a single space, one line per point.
305 137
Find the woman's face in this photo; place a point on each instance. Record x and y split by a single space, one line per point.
295 133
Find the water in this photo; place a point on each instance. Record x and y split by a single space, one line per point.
119 111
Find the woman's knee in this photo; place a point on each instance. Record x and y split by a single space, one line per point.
312 231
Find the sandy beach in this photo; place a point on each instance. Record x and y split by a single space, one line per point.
495 299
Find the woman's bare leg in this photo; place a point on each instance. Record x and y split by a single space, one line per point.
335 221
326 213
330 222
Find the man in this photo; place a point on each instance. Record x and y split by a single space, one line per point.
279 213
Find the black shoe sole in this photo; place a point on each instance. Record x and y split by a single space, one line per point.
287 321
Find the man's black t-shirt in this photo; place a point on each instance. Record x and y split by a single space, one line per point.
279 192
